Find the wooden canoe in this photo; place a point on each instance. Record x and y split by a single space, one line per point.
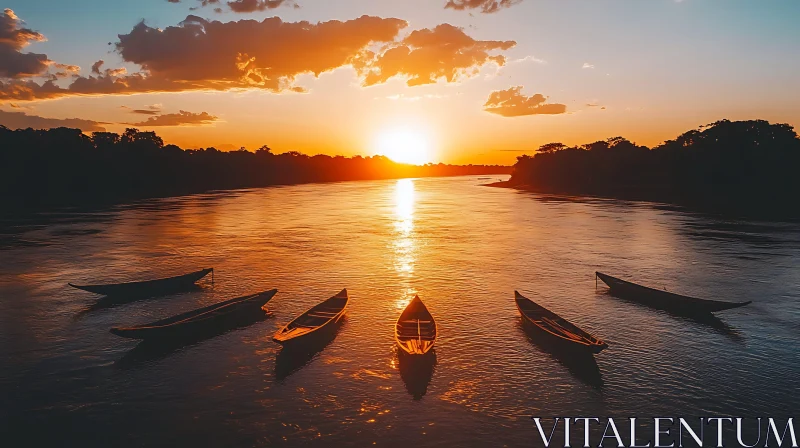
149 287
199 320
314 321
556 328
663 299
415 330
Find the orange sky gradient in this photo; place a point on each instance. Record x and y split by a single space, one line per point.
455 82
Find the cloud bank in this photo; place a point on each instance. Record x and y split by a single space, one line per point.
13 38
198 54
21 120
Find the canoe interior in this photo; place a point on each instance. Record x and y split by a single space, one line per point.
415 330
665 299
556 326
162 285
197 318
316 318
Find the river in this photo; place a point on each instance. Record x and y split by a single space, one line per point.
464 248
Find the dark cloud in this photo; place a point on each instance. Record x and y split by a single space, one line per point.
13 38
182 118
486 6
427 55
199 54
204 3
152 109
96 66
512 103
149 111
244 6
21 120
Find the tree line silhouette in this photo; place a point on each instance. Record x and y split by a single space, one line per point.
63 166
728 166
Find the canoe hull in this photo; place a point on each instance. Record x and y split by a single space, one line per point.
663 299
314 339
148 288
314 324
416 330
205 320
550 341
569 337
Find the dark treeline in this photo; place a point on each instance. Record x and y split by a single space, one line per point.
729 166
64 166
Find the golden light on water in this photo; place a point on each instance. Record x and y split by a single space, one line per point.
404 206
404 245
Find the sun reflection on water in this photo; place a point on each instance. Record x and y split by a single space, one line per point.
404 244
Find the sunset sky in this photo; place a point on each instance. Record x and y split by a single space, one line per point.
459 81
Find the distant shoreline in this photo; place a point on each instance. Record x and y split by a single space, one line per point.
741 169
42 170
726 209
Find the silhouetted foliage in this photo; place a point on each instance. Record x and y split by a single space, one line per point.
66 167
732 165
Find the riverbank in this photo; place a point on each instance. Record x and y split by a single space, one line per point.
730 207
739 168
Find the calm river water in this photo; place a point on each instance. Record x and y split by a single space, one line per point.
464 248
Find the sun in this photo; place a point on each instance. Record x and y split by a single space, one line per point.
405 146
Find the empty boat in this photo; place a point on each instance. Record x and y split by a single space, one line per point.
206 319
415 330
314 321
663 299
555 328
148 287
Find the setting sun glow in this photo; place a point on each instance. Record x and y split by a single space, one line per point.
405 146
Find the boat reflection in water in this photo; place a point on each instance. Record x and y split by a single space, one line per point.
707 320
580 363
294 357
416 371
107 302
149 351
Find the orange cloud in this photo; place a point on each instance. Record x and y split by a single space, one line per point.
182 118
13 38
199 54
512 103
486 6
210 55
21 120
427 55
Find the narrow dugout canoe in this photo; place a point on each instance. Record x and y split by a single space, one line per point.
555 328
663 299
314 321
149 287
200 320
415 330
